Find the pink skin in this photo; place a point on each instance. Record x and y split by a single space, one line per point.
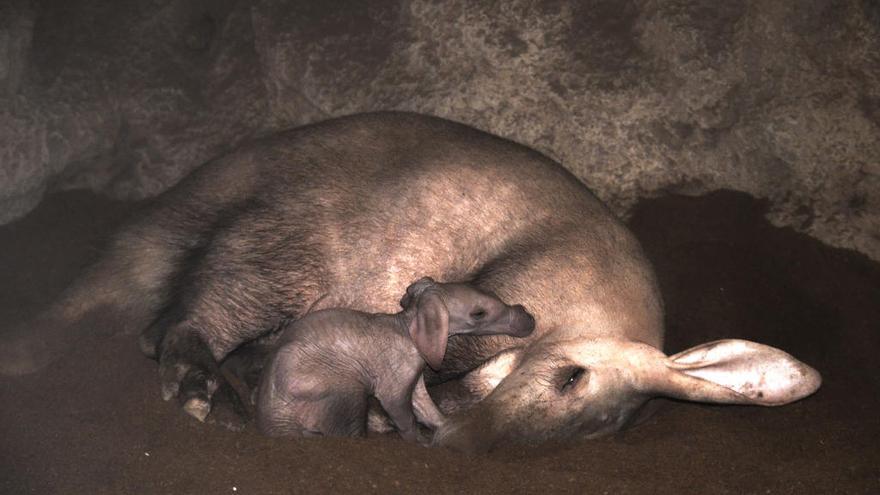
330 361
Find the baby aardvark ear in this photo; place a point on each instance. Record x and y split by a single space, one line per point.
429 328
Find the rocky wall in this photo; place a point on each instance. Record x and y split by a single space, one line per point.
637 98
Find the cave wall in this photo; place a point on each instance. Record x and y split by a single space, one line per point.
637 98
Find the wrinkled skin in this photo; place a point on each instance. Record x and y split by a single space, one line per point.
346 213
330 361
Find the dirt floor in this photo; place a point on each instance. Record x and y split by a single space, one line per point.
95 423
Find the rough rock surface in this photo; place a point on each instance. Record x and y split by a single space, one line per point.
777 99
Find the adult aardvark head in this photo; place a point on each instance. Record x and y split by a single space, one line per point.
584 388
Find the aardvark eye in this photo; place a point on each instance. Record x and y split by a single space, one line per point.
570 377
478 314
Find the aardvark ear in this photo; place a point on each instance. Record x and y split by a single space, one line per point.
735 372
429 328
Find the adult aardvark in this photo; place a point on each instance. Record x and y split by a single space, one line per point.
348 213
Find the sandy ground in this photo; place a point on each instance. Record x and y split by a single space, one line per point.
94 422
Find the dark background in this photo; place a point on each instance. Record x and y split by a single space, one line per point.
642 100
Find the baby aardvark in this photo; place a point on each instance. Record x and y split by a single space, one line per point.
330 361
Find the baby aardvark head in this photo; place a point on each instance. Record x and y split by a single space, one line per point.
444 309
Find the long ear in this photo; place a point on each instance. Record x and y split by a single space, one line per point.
430 328
735 372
